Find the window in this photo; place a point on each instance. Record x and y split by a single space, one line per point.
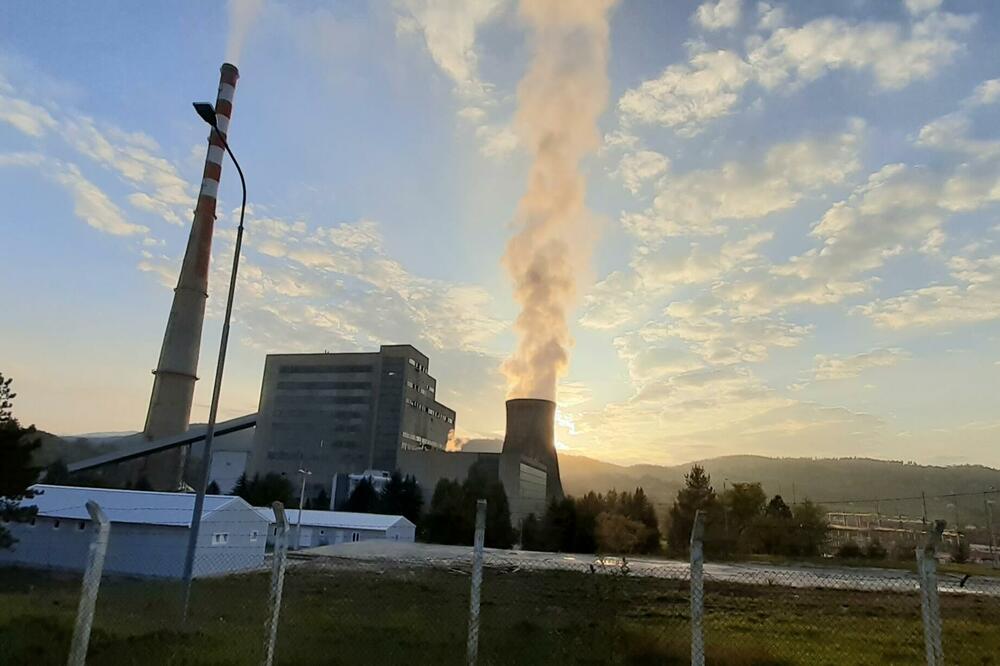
32 521
253 535
355 536
220 538
55 524
81 525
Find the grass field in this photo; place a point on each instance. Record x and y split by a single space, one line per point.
389 615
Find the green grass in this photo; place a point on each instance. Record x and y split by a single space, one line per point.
418 616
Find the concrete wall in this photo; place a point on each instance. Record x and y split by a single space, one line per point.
140 550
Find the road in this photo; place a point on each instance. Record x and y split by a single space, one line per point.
796 576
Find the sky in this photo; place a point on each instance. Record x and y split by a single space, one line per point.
795 239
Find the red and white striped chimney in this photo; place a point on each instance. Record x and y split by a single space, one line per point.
175 375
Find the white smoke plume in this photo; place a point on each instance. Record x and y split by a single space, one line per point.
559 101
242 14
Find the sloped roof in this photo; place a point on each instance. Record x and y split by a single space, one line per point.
347 520
128 506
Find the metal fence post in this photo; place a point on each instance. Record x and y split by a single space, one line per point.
697 590
929 603
472 652
91 583
277 580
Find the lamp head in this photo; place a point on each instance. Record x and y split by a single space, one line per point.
206 111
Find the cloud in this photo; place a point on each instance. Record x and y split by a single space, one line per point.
896 57
699 201
718 14
613 301
24 116
974 298
686 97
953 132
770 17
636 169
92 205
845 367
922 6
449 33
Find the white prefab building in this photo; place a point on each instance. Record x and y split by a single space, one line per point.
322 528
149 532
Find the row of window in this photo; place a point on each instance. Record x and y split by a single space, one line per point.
430 410
429 390
321 399
323 385
336 415
419 366
322 369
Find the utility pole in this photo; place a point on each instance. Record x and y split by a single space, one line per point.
989 528
302 495
923 499
725 507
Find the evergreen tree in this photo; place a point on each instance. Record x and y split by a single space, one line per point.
811 528
446 521
56 473
364 498
212 489
412 499
777 508
697 494
320 502
560 525
264 492
531 533
17 473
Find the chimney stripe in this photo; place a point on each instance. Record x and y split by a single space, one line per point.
223 123
210 188
226 92
216 154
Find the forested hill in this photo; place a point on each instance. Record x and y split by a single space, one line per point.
842 484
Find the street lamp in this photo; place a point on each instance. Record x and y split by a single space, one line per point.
207 113
302 495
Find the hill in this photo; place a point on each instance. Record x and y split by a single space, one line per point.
840 484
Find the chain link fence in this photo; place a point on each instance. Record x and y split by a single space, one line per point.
402 603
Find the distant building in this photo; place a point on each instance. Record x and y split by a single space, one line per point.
344 413
149 532
322 528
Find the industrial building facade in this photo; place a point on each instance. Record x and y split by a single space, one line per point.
345 413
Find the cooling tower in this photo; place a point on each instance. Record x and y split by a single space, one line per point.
174 378
531 432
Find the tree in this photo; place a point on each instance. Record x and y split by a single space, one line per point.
559 525
531 533
960 552
637 507
401 497
263 492
811 528
212 489
446 522
364 498
619 534
777 508
321 501
17 473
56 473
697 494
744 503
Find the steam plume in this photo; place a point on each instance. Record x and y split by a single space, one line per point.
242 14
559 101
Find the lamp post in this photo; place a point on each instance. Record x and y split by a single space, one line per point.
302 495
989 528
207 113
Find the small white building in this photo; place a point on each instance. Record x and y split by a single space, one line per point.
322 528
149 532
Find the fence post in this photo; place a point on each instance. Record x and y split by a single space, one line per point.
697 590
91 583
929 603
472 652
277 580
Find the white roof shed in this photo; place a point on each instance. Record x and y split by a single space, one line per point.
320 528
149 532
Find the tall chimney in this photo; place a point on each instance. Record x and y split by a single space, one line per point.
531 432
173 385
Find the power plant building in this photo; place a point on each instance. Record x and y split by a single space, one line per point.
345 413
